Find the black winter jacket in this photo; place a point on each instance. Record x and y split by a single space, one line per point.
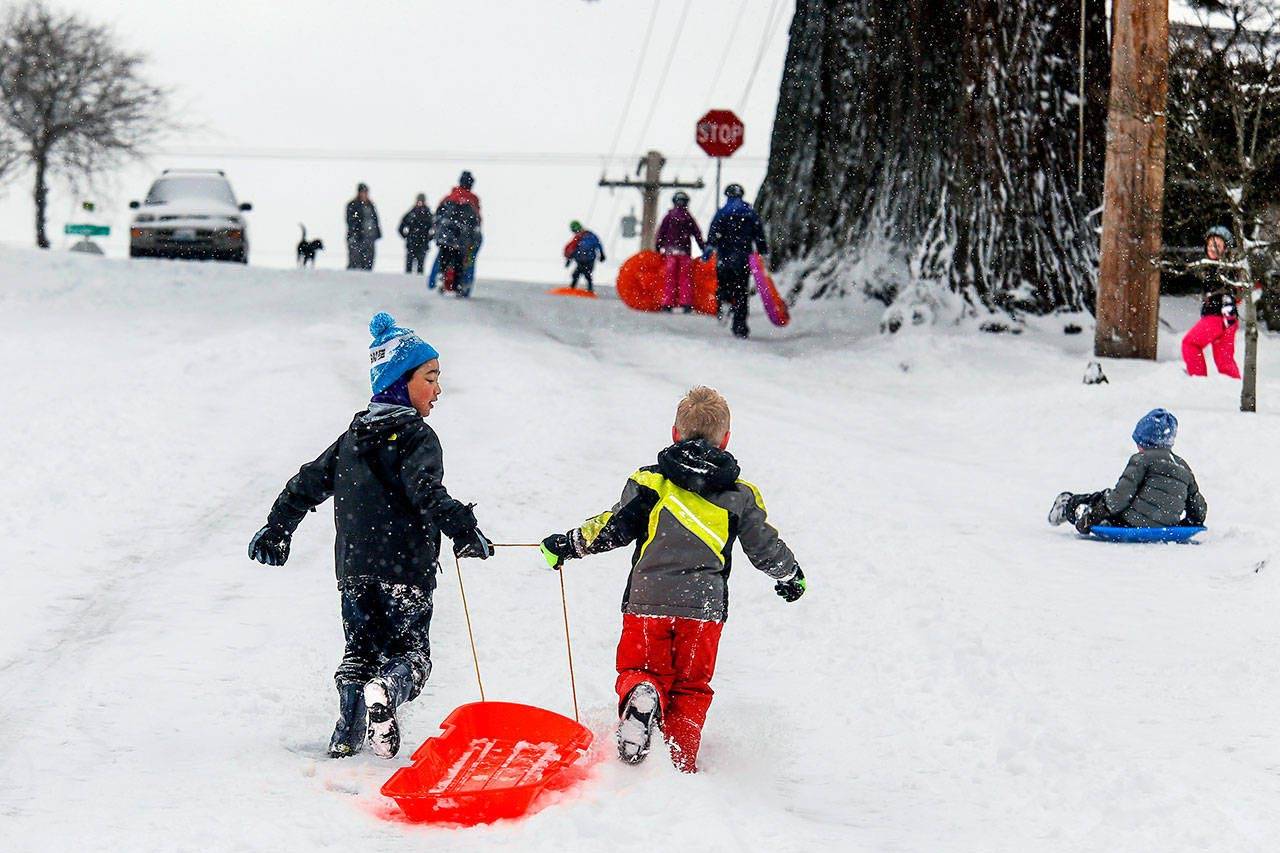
415 227
385 475
355 219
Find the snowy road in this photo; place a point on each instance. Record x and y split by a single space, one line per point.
960 676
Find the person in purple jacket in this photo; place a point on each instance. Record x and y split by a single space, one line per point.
674 234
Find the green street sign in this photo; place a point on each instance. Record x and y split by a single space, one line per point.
87 230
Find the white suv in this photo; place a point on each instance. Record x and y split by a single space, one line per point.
190 213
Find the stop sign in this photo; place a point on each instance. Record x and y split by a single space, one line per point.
720 133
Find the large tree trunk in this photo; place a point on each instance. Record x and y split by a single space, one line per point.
924 148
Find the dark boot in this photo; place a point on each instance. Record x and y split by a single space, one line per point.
349 733
382 696
640 716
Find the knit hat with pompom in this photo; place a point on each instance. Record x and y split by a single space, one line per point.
394 351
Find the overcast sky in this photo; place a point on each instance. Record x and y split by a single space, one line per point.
387 83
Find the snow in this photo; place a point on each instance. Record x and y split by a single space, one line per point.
960 675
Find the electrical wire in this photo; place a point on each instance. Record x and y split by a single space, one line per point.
766 36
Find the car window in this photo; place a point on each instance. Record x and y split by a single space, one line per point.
172 189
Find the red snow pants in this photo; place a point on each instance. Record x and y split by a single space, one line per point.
1211 331
677 280
678 657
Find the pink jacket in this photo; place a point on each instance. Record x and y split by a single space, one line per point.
677 228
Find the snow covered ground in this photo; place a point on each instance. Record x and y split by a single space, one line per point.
960 675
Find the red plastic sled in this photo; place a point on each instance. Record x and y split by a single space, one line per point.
774 308
490 761
569 291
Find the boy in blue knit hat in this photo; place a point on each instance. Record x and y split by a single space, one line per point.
1157 488
385 475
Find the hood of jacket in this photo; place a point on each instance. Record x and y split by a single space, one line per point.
698 466
370 429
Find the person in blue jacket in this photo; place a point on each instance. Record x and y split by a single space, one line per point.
582 250
736 231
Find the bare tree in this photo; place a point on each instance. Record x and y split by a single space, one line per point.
73 100
1238 47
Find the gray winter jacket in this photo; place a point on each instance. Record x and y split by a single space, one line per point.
1157 489
683 515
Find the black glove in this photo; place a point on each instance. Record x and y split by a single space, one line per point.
602 258
568 261
270 546
557 548
472 543
791 589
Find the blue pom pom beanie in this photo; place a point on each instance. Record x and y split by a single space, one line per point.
1158 428
394 351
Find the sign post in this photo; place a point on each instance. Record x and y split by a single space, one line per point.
720 133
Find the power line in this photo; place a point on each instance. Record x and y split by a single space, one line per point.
662 82
766 36
626 109
512 158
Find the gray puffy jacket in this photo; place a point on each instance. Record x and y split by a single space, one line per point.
683 515
1157 489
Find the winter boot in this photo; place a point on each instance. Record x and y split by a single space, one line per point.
382 696
1058 512
640 716
348 734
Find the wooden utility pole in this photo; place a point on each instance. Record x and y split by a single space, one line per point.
652 184
1133 194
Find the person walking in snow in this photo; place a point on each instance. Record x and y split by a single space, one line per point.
1157 488
385 474
363 230
457 232
582 251
1219 320
415 228
674 241
736 231
684 513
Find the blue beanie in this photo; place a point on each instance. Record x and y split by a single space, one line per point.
1158 428
394 351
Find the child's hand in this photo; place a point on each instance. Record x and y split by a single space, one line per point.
792 588
557 548
472 543
270 546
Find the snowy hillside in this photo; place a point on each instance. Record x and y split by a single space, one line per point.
960 676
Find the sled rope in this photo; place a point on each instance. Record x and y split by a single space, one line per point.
564 606
467 613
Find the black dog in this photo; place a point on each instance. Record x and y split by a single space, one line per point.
307 249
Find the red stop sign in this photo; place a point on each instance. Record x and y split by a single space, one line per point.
720 133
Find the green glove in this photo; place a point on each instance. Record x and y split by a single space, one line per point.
557 548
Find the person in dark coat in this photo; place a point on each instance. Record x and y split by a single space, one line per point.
457 231
674 241
1157 488
736 231
582 251
363 230
415 228
385 474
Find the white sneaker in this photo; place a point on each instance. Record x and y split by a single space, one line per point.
383 730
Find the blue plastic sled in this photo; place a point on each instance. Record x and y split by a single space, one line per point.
468 279
1144 534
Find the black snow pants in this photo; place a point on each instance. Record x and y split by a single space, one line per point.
415 257
386 625
733 287
1095 514
585 271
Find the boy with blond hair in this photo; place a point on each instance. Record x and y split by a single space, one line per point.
684 514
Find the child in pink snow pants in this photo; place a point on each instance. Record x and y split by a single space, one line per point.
1218 319
678 228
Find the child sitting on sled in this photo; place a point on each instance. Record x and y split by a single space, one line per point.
390 506
684 513
1157 488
